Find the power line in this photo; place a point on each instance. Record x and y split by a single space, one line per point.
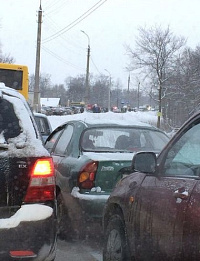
95 65
75 22
61 59
62 4
67 62
50 5
55 27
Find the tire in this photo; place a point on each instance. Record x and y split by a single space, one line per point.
63 223
116 246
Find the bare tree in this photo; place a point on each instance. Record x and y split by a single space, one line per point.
45 84
6 58
76 88
184 84
154 53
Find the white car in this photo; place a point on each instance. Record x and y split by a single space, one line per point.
43 124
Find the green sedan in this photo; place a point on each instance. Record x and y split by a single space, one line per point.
90 157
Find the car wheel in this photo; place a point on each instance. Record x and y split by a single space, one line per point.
116 245
63 222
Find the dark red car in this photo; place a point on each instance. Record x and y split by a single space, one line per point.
154 213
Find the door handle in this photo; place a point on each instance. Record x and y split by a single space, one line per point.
181 193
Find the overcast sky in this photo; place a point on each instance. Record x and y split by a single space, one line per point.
110 24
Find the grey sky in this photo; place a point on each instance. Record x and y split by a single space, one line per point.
109 27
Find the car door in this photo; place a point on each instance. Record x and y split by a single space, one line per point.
188 160
167 216
58 152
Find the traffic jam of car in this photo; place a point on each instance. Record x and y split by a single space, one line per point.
141 186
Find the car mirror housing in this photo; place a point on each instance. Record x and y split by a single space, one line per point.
145 162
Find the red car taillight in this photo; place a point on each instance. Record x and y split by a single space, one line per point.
42 182
87 175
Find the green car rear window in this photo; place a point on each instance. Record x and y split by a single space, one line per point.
122 139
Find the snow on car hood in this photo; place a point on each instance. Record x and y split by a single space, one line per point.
27 213
109 156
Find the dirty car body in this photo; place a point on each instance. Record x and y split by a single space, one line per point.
153 214
90 157
27 194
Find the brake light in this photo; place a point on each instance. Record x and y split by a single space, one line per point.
22 253
42 182
43 168
86 179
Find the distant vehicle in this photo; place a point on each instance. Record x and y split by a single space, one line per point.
27 178
43 124
43 109
75 110
89 107
145 108
57 111
153 214
116 109
15 76
77 104
47 110
90 157
68 111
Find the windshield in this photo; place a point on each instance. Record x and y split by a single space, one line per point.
122 139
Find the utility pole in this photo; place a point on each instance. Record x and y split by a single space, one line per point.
129 78
87 86
37 65
159 106
109 89
138 95
87 92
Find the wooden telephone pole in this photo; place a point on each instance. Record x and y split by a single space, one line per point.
87 84
37 65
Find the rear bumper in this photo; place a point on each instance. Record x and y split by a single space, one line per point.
30 240
92 204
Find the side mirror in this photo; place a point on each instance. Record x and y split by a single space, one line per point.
145 162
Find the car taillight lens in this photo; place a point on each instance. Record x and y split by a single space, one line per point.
87 174
42 182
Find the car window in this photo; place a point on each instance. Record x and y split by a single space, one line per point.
125 139
9 123
154 139
64 140
184 156
42 125
50 143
